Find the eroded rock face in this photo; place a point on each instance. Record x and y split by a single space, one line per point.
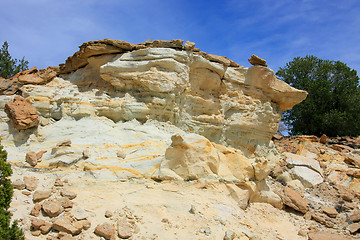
21 113
163 80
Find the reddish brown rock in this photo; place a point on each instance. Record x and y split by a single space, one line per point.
31 182
68 225
31 158
36 210
124 229
40 154
323 139
22 114
36 223
52 208
69 194
330 211
294 200
215 58
94 48
65 202
175 43
255 60
45 229
105 230
41 195
189 45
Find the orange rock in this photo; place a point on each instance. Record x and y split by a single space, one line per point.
22 114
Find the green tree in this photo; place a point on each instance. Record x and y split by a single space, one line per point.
7 230
8 66
333 104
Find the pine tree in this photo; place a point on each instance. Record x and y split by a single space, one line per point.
8 66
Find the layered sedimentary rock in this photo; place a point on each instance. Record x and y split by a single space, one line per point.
198 92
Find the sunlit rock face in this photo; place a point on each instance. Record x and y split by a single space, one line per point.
195 91
198 92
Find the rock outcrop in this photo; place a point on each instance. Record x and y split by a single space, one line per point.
116 116
198 92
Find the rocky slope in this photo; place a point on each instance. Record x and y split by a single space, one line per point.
162 141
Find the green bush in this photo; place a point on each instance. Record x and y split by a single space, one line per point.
7 230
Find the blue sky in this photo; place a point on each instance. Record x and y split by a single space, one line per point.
47 32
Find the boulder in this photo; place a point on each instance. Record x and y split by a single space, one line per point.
31 182
105 230
255 60
52 208
22 114
31 158
40 195
124 229
68 225
294 200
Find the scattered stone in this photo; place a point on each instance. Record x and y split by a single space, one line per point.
18 184
36 233
31 183
121 154
229 235
27 193
45 229
40 195
193 210
58 182
355 216
65 143
277 137
86 153
79 213
35 211
323 139
40 154
69 194
330 211
65 202
31 158
124 229
189 45
294 200
68 225
319 217
108 214
52 208
302 232
22 114
105 230
36 223
85 223
255 60
353 228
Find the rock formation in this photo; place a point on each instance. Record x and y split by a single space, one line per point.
97 131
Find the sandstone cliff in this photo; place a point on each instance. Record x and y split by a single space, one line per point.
159 110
